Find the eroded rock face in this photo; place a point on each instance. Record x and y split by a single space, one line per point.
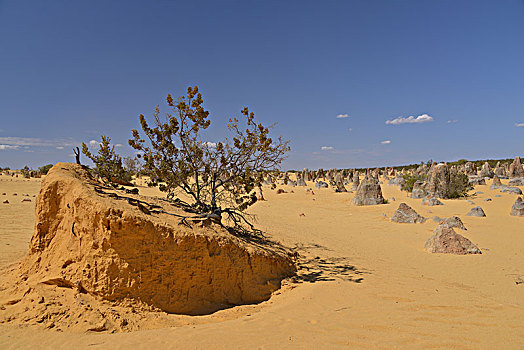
446 240
439 182
419 189
406 214
486 170
453 222
369 192
518 207
118 248
515 168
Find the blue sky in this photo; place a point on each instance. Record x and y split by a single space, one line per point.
72 70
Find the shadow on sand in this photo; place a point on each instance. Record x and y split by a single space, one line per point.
314 265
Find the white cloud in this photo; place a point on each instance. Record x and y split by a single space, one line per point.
93 143
59 147
342 116
118 145
4 147
423 118
386 142
33 141
210 144
350 129
327 148
519 125
452 121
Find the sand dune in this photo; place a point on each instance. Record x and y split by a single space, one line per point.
364 281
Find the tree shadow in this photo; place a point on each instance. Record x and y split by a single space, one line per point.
315 265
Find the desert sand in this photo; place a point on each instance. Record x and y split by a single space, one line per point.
364 281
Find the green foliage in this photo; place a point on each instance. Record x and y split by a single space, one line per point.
43 170
26 172
410 181
459 186
108 164
219 178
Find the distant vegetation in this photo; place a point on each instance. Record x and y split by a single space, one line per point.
43 170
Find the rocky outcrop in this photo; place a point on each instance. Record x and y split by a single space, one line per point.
496 183
369 192
431 201
515 168
300 181
512 190
476 180
446 240
321 184
419 189
518 207
439 181
356 182
477 211
486 170
470 169
118 246
516 181
406 214
453 222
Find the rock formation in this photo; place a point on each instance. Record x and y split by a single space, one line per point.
419 189
518 207
300 180
439 181
446 240
453 222
356 182
406 214
431 201
477 211
515 168
368 192
486 170
516 181
120 247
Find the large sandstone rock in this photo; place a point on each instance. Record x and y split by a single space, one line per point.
419 189
486 170
446 240
356 182
406 214
300 180
129 247
515 168
369 192
518 207
439 181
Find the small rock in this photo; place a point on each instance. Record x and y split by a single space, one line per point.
453 222
518 207
406 214
446 240
487 200
477 211
279 191
431 201
6 202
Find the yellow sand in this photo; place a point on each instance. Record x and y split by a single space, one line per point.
371 284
